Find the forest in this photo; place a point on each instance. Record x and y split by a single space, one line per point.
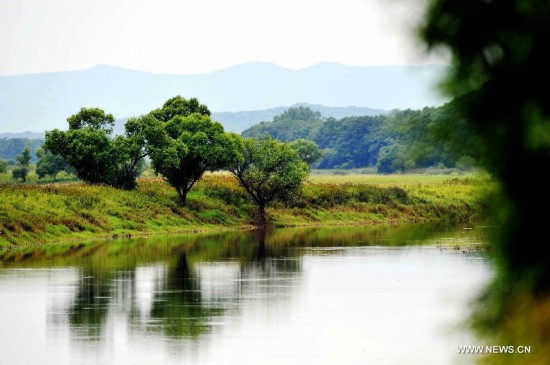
395 142
400 141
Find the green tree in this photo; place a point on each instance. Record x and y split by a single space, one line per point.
500 63
49 164
3 166
295 123
23 161
268 169
24 158
179 106
94 118
391 159
353 141
20 172
130 152
308 151
96 157
183 148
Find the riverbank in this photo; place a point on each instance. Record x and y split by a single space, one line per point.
35 214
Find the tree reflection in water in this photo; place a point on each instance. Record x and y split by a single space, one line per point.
192 286
184 286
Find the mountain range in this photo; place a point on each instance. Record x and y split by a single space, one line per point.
39 102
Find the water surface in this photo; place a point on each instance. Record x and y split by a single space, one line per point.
348 295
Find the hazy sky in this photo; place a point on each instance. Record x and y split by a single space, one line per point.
181 36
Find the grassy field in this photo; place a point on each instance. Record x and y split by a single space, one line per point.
33 214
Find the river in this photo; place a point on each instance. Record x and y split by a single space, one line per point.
343 295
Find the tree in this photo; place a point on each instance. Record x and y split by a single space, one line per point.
3 166
49 164
390 159
179 106
308 151
94 118
96 157
184 147
23 160
268 169
20 173
294 123
500 63
353 141
130 151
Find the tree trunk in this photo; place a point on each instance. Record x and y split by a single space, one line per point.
262 221
182 193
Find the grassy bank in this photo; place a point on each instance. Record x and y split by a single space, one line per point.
31 214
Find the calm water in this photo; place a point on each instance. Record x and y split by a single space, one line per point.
302 296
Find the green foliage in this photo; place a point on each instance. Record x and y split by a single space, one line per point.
353 141
95 157
391 159
187 145
500 65
33 213
23 161
268 169
50 165
424 138
20 173
24 158
295 123
3 166
94 118
308 151
179 106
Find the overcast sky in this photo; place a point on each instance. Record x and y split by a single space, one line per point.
181 36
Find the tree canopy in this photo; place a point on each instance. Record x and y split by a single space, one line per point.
94 155
294 123
24 158
187 145
308 151
49 164
416 138
23 161
94 118
500 63
178 105
268 169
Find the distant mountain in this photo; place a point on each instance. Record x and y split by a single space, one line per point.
239 121
44 101
11 147
25 135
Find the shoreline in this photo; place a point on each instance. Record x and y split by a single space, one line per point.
111 237
34 215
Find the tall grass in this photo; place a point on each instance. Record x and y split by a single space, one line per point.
32 213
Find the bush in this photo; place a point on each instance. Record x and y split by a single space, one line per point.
20 173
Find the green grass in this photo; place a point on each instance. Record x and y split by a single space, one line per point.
32 177
33 214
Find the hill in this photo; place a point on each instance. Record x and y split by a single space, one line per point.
43 101
11 147
239 121
26 134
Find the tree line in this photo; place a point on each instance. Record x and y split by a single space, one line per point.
398 141
182 142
